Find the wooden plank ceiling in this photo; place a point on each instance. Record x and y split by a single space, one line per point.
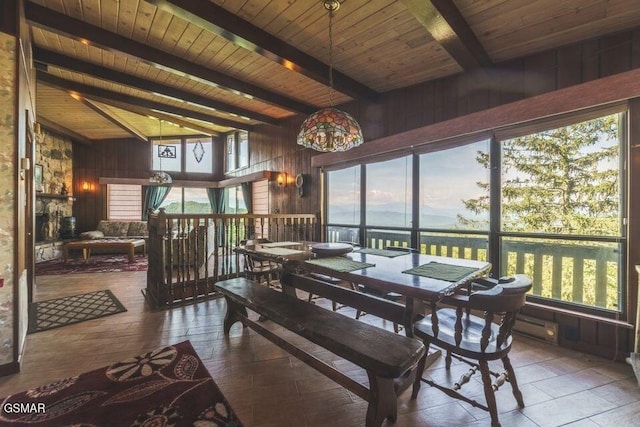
212 66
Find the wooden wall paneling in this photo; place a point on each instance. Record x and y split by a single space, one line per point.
450 98
569 66
511 75
427 106
590 60
569 329
537 313
463 89
8 13
607 337
615 54
438 94
539 74
635 48
633 210
477 91
413 113
394 118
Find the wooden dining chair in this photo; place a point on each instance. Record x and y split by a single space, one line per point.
258 268
476 340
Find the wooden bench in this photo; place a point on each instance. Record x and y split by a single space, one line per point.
389 359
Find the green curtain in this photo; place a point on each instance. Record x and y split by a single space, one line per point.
153 197
217 199
246 195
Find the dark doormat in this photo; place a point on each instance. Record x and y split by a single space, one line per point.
58 312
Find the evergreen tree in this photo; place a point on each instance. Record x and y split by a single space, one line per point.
563 180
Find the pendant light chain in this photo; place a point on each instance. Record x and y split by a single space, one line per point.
330 129
330 57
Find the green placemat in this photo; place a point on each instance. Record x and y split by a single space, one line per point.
436 270
278 244
341 264
278 251
381 252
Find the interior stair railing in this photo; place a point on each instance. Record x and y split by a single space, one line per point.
189 253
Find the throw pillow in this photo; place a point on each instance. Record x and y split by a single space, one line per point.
91 235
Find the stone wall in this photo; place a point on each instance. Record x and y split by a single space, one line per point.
55 154
7 193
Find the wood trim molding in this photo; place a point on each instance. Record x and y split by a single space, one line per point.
606 90
9 369
256 176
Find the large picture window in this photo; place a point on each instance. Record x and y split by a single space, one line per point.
187 200
561 211
545 199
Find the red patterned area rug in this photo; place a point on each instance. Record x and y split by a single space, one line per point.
95 264
166 387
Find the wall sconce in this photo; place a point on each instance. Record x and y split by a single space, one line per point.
281 179
87 187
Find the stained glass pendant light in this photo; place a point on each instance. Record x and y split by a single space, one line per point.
330 129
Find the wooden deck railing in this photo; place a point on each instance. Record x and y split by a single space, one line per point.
189 253
578 272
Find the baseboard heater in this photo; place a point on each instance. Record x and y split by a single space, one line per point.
544 330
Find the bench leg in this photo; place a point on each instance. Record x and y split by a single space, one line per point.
383 402
232 315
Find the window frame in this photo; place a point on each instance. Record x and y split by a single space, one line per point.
494 233
185 140
236 139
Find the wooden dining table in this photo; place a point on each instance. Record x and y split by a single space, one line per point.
383 270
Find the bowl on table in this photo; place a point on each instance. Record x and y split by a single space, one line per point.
323 250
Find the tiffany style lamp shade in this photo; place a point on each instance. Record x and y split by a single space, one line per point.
330 129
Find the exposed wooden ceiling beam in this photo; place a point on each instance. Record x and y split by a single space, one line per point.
161 116
48 124
127 127
59 60
223 23
51 20
252 177
448 27
104 94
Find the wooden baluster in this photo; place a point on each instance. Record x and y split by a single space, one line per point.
500 380
465 378
458 325
486 331
434 319
216 249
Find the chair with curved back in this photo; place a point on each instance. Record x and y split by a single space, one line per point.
476 340
259 268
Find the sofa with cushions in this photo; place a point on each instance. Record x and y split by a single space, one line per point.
117 230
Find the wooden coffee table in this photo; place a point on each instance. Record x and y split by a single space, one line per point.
128 245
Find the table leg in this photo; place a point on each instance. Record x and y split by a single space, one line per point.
86 253
414 310
65 253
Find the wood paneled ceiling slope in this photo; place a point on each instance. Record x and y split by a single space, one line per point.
141 68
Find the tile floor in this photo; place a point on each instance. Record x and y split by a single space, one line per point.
267 387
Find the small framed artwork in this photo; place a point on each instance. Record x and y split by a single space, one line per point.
37 178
